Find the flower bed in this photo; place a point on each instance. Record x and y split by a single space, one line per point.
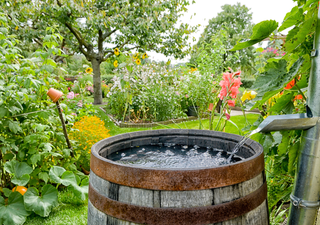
156 93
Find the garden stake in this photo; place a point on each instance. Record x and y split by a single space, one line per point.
306 191
55 95
64 127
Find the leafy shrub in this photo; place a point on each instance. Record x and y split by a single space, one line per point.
247 83
107 78
145 93
33 149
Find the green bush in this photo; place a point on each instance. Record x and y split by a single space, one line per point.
247 82
107 78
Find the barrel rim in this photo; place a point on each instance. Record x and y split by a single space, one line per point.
176 178
120 137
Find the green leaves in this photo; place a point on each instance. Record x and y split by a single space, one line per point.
293 17
300 35
293 154
41 204
274 79
14 127
56 173
260 31
282 102
81 190
20 170
67 178
14 212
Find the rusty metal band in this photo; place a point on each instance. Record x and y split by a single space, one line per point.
178 216
177 180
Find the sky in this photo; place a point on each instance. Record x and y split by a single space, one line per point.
204 10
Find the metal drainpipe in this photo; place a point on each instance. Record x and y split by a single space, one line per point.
305 196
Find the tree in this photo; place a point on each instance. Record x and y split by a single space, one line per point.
235 23
99 28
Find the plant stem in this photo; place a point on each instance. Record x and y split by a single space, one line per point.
224 105
304 97
200 124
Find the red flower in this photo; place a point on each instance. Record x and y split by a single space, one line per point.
227 115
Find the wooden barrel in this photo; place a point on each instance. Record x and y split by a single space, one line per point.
126 195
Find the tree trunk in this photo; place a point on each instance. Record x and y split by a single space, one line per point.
97 93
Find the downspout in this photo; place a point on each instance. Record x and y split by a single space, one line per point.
305 196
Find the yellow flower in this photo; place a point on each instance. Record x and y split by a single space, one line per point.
115 63
138 62
248 95
116 51
144 56
89 70
136 55
16 28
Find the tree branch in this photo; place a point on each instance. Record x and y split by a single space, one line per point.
77 35
59 3
38 41
83 51
119 47
128 49
107 34
100 43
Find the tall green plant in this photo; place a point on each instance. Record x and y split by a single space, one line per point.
282 83
33 152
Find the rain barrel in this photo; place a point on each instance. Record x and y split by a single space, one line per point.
121 194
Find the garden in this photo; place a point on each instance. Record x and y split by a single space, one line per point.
97 54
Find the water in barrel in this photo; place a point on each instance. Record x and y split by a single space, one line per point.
170 155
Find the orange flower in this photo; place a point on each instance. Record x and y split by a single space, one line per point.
298 97
290 84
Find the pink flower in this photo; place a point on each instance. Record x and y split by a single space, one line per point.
90 88
237 82
70 95
230 85
232 103
177 93
68 88
223 93
227 115
277 54
187 96
283 54
73 114
79 103
234 92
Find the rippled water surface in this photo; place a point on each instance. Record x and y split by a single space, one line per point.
172 156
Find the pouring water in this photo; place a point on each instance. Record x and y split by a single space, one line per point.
241 143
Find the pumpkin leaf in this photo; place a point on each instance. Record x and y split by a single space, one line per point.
14 213
80 191
41 204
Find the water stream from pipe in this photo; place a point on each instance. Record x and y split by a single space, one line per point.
241 143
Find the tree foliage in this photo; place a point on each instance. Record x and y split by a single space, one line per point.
235 23
95 28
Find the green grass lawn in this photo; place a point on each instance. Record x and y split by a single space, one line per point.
73 211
